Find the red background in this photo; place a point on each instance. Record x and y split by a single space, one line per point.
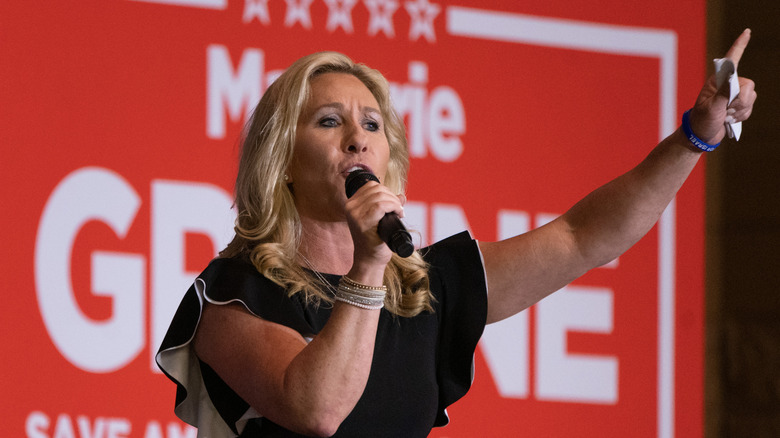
122 85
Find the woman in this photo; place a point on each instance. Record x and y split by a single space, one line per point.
307 324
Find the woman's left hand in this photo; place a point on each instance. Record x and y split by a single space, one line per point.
712 109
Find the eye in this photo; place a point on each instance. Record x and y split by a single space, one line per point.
329 122
371 125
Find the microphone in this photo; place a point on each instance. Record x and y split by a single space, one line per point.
390 229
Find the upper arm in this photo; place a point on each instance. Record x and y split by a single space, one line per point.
524 269
250 354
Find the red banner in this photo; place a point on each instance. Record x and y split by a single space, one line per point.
120 122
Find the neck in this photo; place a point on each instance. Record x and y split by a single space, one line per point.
325 246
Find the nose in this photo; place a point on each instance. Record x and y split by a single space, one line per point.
355 139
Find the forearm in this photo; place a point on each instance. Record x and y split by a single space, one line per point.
615 216
327 378
324 382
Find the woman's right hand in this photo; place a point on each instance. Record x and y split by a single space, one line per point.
364 210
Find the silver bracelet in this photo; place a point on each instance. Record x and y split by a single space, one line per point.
360 295
362 306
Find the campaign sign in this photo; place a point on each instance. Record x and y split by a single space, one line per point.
120 123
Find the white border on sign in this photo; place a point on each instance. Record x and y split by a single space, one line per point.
205 4
618 40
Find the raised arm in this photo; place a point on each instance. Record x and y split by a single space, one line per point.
526 268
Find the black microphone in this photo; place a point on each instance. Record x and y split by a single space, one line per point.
390 229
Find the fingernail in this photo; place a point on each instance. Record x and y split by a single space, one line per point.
731 119
731 111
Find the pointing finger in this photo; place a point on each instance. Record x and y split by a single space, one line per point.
736 50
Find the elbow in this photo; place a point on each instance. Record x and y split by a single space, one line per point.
313 419
322 425
314 412
306 419
324 432
309 424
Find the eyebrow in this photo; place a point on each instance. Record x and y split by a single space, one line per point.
339 106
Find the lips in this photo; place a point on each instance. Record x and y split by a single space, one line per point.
353 167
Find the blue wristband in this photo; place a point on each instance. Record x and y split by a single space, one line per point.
686 127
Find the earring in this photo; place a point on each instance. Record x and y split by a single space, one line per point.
286 178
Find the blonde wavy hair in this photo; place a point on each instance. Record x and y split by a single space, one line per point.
268 228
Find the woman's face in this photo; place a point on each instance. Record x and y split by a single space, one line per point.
340 127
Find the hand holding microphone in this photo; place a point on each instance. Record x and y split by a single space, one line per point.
390 229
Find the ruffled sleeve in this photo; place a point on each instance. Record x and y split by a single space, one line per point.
458 281
224 281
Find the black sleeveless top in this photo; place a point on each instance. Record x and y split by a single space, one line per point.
420 366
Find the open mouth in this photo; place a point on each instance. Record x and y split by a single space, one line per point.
357 167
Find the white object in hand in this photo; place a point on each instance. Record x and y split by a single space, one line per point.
725 70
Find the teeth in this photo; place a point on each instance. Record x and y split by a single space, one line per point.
354 168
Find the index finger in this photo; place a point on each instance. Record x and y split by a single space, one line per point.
736 50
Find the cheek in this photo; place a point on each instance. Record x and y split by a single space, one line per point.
305 150
311 158
386 163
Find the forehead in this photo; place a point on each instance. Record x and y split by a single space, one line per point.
340 88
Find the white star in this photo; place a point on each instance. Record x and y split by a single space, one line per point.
298 11
422 14
340 15
381 17
256 8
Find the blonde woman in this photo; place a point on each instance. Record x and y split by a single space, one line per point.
308 325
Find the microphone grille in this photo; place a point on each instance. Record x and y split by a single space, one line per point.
356 179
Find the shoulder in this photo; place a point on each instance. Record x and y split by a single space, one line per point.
456 273
458 251
237 281
232 271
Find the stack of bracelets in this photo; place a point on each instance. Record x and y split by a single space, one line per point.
360 295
